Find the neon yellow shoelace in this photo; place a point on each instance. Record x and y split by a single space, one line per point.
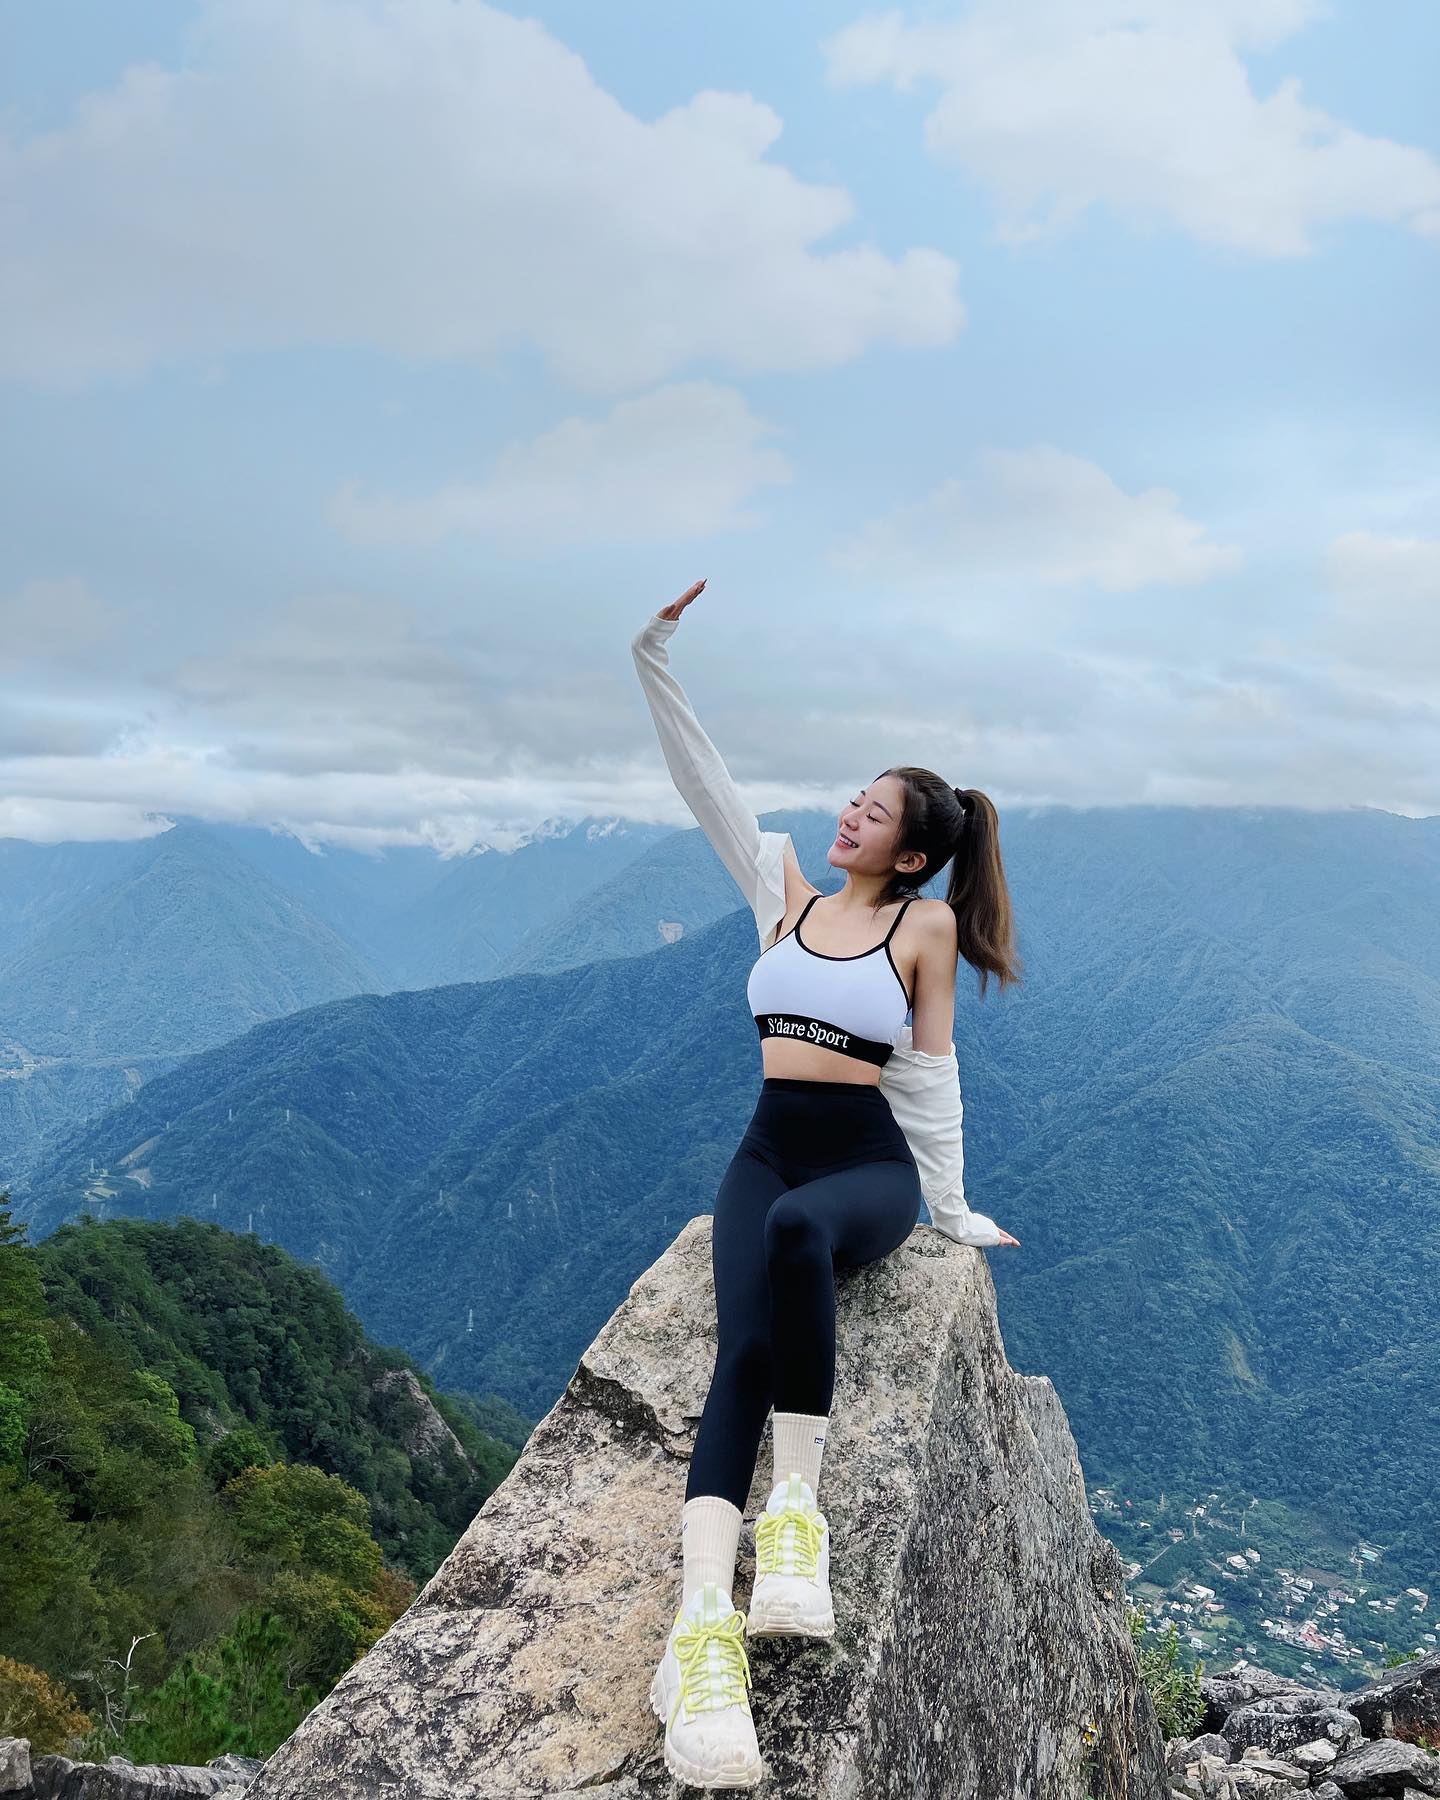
788 1543
709 1682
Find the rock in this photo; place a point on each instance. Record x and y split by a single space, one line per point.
981 1648
1211 1778
1313 1756
1385 1767
240 1769
1405 1702
1233 1688
1280 1724
1257 1773
14 1767
1249 1782
1181 1752
429 1433
1327 1790
57 1778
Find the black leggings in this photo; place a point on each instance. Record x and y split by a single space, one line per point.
823 1179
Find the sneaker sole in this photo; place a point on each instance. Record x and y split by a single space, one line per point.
777 1619
692 1773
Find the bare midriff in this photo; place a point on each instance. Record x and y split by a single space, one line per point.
808 1062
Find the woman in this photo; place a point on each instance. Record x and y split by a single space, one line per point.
859 1118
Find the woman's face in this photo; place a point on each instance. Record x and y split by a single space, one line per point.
871 824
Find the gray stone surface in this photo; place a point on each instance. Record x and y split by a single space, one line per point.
1181 1752
1405 1701
1229 1688
1386 1767
1314 1757
58 1778
1281 1724
14 1766
980 1649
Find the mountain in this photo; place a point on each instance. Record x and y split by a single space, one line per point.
678 885
1199 1114
469 926
209 1473
246 1337
117 960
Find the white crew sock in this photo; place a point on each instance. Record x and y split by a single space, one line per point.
799 1444
709 1539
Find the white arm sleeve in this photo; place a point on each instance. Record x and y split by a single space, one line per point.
755 858
924 1094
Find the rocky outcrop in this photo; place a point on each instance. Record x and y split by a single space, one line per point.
981 1651
1403 1703
428 1434
1268 1736
23 1777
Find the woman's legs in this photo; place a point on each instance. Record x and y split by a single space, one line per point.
840 1220
728 1436
774 1252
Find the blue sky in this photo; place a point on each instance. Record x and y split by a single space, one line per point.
1046 388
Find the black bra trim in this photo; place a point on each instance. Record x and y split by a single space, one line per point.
909 998
823 1035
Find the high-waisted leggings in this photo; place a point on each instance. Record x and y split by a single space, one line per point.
823 1179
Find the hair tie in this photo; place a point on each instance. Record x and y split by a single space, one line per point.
966 803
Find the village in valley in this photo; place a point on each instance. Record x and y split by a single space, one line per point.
1243 1581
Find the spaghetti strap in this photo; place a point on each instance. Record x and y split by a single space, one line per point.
803 911
794 930
895 926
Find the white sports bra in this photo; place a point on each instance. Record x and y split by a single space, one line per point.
853 1004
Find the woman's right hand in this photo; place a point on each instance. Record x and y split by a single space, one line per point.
676 607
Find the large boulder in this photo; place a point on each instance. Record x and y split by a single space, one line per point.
980 1650
1403 1703
1286 1721
1386 1767
1227 1690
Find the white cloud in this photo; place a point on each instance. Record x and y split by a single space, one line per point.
433 179
676 463
1384 621
1144 106
1037 515
51 617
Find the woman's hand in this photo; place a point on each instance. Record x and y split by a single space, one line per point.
676 607
1005 1237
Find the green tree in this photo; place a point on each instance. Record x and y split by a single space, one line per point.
235 1695
1174 1689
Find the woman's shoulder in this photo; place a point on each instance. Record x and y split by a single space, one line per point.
935 918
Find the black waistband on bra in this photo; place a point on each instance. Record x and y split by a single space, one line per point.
823 1036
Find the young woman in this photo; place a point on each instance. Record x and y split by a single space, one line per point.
858 1119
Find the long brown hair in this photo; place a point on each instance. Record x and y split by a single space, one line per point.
959 826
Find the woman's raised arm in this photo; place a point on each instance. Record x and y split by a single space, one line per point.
755 858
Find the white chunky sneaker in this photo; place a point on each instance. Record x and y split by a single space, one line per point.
791 1596
698 1690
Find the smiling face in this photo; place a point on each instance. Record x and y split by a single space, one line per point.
871 823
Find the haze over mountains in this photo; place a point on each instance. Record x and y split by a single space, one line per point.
1211 1114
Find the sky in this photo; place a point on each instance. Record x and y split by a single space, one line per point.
1046 389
